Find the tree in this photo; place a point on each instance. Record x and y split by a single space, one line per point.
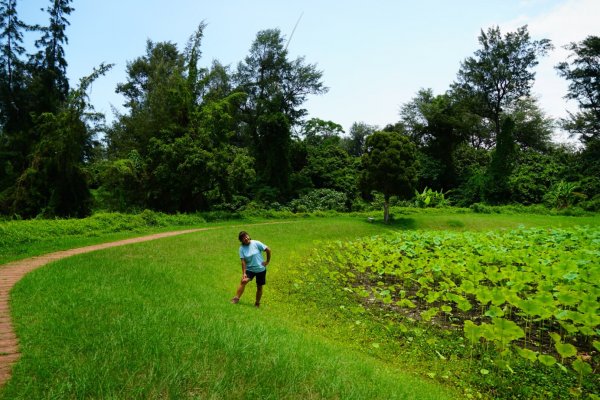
583 72
316 131
389 166
500 72
355 143
12 110
493 81
276 88
11 65
496 187
55 182
437 125
157 93
533 129
49 65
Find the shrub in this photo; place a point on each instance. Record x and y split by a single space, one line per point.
430 198
320 200
562 195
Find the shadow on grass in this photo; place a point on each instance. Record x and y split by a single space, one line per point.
398 223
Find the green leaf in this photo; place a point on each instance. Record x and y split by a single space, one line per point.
429 314
472 331
505 331
567 298
596 345
565 349
464 305
531 307
555 336
547 360
494 311
527 354
406 303
581 367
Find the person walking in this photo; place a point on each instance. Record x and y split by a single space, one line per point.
253 265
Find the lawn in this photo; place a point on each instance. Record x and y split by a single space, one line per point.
153 320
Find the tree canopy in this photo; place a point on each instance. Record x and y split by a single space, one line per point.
198 136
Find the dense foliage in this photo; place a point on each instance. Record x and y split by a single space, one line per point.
524 299
199 137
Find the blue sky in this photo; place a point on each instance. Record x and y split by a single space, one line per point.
375 55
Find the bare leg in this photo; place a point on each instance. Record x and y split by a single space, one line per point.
239 292
259 292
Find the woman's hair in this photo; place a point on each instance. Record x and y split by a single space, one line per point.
242 234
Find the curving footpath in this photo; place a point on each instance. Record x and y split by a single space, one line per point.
11 273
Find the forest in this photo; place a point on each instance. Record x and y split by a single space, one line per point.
196 137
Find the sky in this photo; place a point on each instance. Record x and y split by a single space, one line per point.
374 55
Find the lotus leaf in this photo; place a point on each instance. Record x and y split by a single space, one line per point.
565 349
406 303
505 331
498 296
547 360
472 331
429 314
527 354
567 297
483 295
531 307
446 309
581 367
494 311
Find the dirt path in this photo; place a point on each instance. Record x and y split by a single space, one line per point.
11 273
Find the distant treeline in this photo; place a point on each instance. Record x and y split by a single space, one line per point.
197 137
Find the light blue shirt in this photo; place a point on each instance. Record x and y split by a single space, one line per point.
252 254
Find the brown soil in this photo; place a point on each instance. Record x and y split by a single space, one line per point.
9 275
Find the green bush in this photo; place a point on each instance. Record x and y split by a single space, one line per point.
320 200
430 198
564 195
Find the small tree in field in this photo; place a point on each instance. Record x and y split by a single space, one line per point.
389 165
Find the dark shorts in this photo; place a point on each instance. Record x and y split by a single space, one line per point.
261 277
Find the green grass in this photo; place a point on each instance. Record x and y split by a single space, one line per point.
152 320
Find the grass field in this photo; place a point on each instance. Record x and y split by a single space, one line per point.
153 320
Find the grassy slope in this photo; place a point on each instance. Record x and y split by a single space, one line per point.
153 321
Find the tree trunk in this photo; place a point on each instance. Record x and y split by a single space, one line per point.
386 210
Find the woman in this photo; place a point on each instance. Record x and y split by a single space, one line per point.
253 265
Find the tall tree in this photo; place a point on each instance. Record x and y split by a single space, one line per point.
437 125
316 131
583 74
533 129
157 94
12 110
55 182
500 72
276 88
355 143
389 166
11 51
49 64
